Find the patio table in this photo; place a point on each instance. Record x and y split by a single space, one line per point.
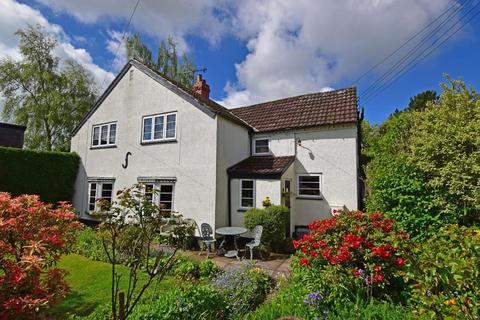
234 232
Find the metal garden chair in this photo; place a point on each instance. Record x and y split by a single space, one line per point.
255 243
207 240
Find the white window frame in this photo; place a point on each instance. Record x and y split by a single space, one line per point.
240 193
99 126
320 185
254 151
98 192
157 192
164 130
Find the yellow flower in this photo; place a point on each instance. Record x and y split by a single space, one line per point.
449 302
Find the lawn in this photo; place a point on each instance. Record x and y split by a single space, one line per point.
90 283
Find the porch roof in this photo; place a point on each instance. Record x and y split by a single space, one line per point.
269 167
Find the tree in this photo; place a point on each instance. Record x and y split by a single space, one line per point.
167 59
129 231
39 93
419 102
425 168
33 236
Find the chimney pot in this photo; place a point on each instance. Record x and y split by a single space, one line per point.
201 87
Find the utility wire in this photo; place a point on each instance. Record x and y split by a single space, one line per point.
125 29
405 43
412 52
403 71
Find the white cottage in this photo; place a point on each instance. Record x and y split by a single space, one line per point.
211 163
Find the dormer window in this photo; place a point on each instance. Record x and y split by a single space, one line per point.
104 135
161 127
261 146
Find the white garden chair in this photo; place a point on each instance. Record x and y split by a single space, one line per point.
206 232
255 243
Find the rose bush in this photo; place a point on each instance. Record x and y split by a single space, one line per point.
353 253
33 236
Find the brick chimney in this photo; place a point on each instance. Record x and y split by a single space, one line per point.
201 87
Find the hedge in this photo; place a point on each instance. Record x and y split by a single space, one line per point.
51 175
274 220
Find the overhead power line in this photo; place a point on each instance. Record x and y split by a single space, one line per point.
405 43
125 29
413 51
425 53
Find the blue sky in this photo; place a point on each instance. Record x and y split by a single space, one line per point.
260 50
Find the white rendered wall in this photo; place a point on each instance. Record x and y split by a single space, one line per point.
192 159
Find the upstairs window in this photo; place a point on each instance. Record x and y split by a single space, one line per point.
162 127
247 194
104 135
99 190
261 146
309 185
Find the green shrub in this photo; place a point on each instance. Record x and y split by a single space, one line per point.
208 269
243 288
353 253
274 220
89 244
187 270
51 175
446 280
201 302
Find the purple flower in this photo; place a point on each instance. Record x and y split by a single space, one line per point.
315 296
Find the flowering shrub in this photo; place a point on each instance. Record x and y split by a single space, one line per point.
243 288
446 280
353 252
33 235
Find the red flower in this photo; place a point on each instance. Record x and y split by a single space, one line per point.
400 262
315 245
376 215
313 253
358 215
296 244
304 261
377 269
378 277
322 243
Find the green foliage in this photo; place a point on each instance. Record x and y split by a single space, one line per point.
420 101
89 244
274 220
446 277
200 301
425 165
243 289
289 301
167 59
50 100
208 269
187 270
51 175
353 254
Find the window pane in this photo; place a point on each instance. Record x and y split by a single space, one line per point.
147 129
166 188
158 133
261 146
309 185
96 136
113 133
149 192
247 184
171 121
104 135
165 197
247 203
247 193
107 191
166 205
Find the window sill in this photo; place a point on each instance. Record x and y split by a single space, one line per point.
309 198
243 210
145 143
103 147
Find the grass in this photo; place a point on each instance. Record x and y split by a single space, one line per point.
90 283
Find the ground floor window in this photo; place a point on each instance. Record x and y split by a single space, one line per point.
247 194
99 190
160 194
309 185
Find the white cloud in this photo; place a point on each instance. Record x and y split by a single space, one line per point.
14 16
116 46
156 18
302 46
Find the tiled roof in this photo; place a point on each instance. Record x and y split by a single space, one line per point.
261 166
309 110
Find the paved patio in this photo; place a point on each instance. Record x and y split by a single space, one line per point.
277 265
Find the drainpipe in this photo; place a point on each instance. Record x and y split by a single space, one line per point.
229 202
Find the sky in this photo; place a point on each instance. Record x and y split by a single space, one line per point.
260 50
